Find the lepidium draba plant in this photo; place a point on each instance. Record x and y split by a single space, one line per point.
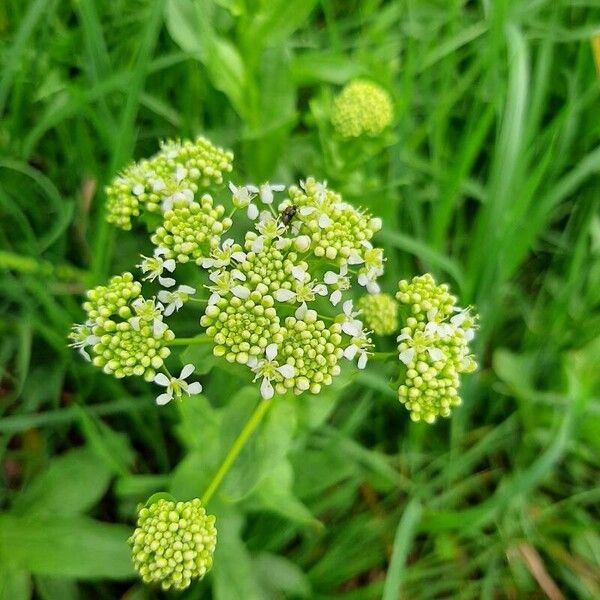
275 274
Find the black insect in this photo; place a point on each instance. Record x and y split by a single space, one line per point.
287 214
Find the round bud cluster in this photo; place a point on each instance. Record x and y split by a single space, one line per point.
179 166
313 350
125 331
362 108
105 301
124 350
173 543
271 269
336 230
380 313
434 347
191 230
242 328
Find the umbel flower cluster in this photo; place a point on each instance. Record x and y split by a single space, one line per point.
434 347
362 108
173 543
275 274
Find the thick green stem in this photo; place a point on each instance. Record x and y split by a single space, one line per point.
244 435
382 355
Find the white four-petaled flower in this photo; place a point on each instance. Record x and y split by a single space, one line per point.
175 299
269 369
177 386
154 266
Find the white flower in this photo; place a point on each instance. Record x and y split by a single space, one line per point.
461 317
226 282
154 266
242 197
368 279
222 257
359 346
440 328
265 191
180 197
149 310
303 293
177 386
341 282
175 299
82 338
350 325
269 369
417 344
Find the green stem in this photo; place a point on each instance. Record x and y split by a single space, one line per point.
381 355
34 266
190 341
244 435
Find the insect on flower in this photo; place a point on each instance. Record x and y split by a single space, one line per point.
287 214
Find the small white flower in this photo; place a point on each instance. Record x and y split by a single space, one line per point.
177 386
226 282
138 189
359 346
181 197
417 344
269 369
153 267
350 324
175 299
242 198
440 328
149 310
368 279
265 191
82 338
222 257
340 281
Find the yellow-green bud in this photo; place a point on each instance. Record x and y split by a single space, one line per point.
173 543
380 313
362 108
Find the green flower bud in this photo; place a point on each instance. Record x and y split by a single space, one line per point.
380 313
173 543
434 347
191 230
104 302
362 108
179 167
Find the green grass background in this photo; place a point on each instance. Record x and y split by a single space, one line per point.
488 179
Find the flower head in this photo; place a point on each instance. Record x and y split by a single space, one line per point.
151 184
434 347
173 543
380 313
362 108
154 266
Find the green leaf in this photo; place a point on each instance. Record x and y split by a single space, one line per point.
278 19
73 483
234 576
279 576
201 356
76 547
112 448
14 584
53 588
403 540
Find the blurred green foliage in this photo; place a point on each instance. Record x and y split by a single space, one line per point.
488 178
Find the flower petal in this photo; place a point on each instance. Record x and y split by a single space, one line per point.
407 356
283 295
362 360
241 292
186 371
252 211
194 388
335 297
271 351
301 311
161 379
266 389
436 354
164 399
287 371
330 278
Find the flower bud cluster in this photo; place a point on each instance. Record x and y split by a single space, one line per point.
380 313
173 543
258 313
125 331
180 167
336 231
361 108
191 230
434 347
